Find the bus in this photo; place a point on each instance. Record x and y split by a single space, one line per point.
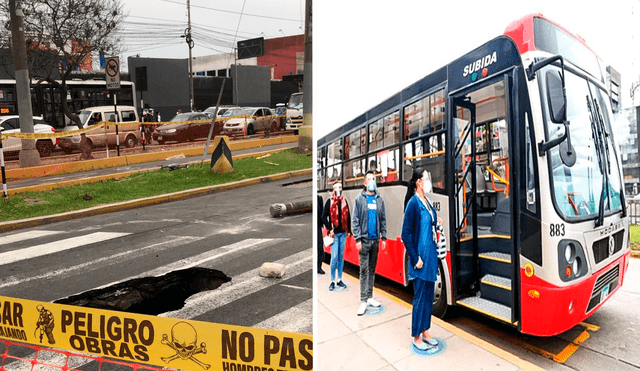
46 100
526 173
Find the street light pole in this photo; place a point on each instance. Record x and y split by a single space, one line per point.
190 44
28 155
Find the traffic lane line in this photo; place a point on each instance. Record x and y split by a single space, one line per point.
507 356
127 205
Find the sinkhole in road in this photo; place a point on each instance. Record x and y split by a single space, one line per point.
151 295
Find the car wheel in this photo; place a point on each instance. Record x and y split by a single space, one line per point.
274 127
160 141
250 130
130 141
44 147
67 150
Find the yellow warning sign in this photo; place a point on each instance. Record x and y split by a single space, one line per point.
161 341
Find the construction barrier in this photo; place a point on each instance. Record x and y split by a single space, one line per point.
160 341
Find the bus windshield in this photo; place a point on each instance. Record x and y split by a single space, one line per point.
578 189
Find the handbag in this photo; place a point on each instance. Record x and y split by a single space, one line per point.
327 240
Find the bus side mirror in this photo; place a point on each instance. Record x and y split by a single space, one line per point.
556 97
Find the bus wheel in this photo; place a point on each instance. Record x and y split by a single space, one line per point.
440 294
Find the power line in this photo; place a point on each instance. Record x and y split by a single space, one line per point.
232 12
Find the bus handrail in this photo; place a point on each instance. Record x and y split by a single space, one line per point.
425 155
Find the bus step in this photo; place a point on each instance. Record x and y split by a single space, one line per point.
497 281
496 288
496 256
487 307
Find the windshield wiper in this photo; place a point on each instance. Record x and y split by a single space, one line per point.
602 150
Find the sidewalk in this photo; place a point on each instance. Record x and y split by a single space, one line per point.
382 341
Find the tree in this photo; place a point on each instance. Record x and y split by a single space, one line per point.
63 35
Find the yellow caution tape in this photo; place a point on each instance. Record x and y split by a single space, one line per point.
70 133
161 341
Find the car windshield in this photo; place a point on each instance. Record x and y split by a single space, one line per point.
295 101
232 112
182 117
246 111
84 116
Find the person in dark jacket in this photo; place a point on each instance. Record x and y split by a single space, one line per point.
418 235
319 207
337 220
370 231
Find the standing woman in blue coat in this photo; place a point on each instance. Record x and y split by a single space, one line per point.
418 231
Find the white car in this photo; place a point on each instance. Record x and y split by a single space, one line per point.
11 146
255 119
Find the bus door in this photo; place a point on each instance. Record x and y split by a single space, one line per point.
481 202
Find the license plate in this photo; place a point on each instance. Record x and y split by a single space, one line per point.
159 138
605 293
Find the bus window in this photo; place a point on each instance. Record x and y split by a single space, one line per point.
376 135
334 159
322 171
354 173
391 129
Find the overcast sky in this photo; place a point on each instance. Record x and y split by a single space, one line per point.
365 51
153 27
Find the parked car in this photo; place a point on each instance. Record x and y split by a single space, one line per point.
281 112
255 119
181 132
12 146
129 135
221 111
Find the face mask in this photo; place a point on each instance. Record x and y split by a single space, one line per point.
338 192
427 187
371 186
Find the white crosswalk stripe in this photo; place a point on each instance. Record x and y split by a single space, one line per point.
295 319
57 246
22 236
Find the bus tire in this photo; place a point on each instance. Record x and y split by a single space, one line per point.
440 294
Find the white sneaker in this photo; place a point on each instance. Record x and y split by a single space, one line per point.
373 302
363 308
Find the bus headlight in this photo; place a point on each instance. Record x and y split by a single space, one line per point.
571 260
569 252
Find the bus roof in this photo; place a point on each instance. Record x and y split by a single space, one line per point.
522 33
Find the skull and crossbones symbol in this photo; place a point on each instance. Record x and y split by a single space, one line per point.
183 342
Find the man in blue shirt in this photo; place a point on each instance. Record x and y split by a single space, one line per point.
369 225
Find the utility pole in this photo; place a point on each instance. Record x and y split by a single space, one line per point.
190 43
28 155
305 139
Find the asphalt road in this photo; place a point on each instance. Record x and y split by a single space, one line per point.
612 342
229 231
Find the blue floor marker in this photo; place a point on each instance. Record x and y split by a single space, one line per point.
429 351
372 311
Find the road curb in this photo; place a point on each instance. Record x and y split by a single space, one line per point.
99 178
635 254
79 166
148 201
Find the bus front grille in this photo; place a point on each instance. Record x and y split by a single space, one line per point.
605 284
601 247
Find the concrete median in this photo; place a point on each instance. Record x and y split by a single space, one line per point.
79 166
